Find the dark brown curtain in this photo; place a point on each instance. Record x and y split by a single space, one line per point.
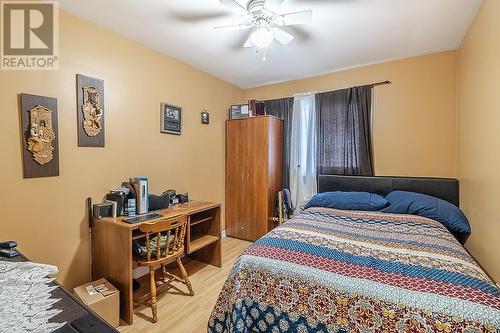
283 108
344 132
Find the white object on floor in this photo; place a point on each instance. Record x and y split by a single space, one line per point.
25 297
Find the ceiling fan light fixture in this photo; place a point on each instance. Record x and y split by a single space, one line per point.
262 37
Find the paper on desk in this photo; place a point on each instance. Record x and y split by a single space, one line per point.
91 290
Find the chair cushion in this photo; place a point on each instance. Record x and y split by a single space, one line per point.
140 249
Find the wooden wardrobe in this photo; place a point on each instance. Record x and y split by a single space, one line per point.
254 148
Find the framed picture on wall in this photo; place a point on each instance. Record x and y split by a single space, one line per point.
170 119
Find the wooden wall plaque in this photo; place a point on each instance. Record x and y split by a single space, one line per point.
40 137
90 110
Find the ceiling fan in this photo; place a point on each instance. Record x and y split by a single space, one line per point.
264 18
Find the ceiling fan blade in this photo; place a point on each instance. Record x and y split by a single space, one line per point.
302 17
248 43
273 5
234 27
234 5
281 36
190 17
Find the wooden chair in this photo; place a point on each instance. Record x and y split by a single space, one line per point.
282 217
175 230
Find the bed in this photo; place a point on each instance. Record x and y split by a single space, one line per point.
329 270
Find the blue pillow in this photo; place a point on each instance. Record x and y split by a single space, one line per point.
402 202
347 201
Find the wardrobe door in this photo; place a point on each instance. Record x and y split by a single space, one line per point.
236 179
257 169
274 166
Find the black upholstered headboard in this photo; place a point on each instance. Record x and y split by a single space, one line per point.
442 188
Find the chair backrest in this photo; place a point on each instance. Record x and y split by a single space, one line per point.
173 229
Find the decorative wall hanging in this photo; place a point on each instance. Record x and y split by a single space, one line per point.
170 119
92 112
40 136
205 117
90 109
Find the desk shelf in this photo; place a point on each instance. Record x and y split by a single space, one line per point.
193 223
136 234
204 230
202 241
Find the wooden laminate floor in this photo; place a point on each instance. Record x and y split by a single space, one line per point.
179 313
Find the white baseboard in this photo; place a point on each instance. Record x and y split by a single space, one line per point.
223 234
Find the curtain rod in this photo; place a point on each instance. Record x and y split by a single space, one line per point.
380 83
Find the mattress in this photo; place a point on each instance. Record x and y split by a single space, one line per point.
329 270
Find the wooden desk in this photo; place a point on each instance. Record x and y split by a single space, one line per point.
112 246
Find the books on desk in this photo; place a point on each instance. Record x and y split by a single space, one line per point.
8 249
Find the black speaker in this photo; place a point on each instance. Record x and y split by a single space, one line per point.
104 209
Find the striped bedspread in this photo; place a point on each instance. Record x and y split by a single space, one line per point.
346 271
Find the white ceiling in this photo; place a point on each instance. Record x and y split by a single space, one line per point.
343 34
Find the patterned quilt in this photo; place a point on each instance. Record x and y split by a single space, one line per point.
349 271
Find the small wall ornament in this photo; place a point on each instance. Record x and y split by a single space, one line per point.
205 117
41 134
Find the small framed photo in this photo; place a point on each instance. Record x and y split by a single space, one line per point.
205 117
239 111
170 119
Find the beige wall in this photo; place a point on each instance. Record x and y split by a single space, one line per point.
46 215
414 126
479 135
